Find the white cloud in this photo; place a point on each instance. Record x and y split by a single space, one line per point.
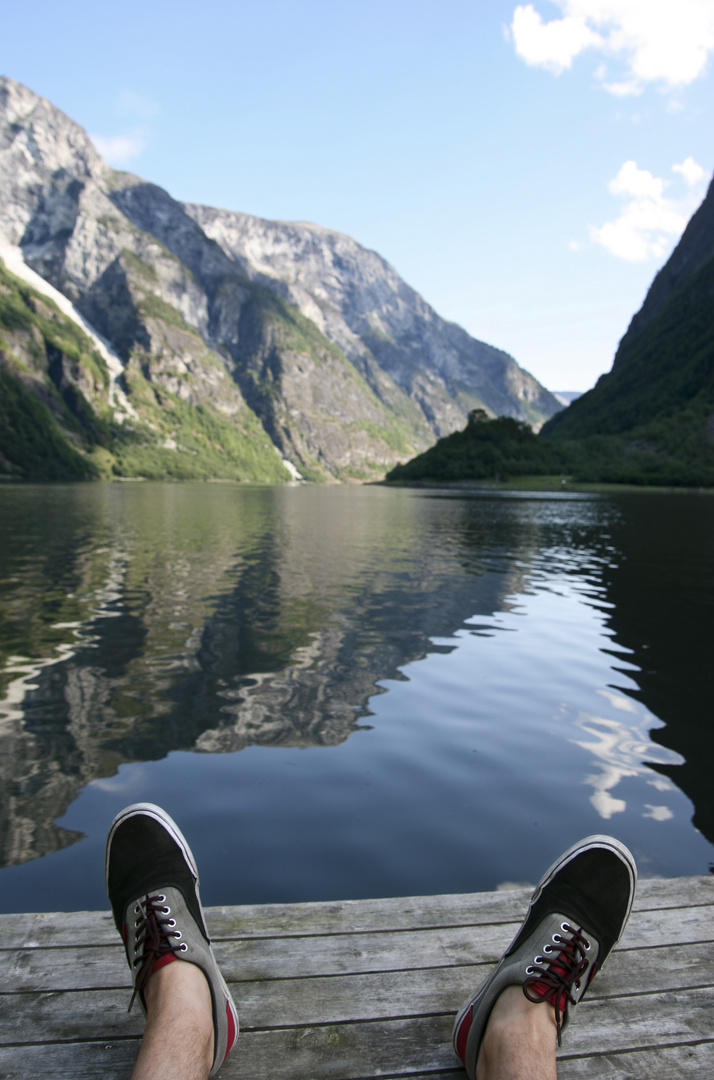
626 88
633 181
691 172
658 813
659 41
551 45
650 220
119 150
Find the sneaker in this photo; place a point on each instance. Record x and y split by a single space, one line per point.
576 916
152 884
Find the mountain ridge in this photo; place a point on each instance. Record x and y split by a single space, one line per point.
664 363
332 361
650 420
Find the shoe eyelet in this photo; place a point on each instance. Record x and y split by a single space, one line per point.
588 946
161 899
166 910
177 934
539 961
565 928
137 909
171 922
183 947
530 970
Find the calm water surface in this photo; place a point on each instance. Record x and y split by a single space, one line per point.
351 692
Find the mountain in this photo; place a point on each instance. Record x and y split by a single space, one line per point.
650 420
567 397
660 391
150 337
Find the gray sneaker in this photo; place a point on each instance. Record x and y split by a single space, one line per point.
576 916
152 884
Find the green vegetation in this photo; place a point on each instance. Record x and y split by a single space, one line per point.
142 269
288 327
50 430
153 307
680 453
485 450
272 327
32 444
395 435
208 445
27 311
665 369
650 421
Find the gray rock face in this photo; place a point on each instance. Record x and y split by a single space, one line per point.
331 356
360 303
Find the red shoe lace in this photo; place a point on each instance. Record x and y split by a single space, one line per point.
552 980
152 948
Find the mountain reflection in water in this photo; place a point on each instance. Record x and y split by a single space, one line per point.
143 619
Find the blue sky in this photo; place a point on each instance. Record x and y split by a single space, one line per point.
527 167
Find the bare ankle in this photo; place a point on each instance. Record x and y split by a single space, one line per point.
178 995
519 1041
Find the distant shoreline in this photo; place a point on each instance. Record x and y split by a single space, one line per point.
539 483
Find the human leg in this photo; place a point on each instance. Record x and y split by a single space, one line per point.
152 884
519 1040
576 915
179 1026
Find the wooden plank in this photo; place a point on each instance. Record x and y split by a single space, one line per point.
48 1017
423 912
674 892
37 931
423 1044
295 957
71 1061
53 1016
396 1048
114 1061
404 1047
335 917
668 926
694 1062
364 988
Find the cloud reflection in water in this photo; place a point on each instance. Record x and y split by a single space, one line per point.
623 750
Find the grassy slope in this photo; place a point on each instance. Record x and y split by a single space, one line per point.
52 433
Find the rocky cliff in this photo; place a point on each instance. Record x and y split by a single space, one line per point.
226 337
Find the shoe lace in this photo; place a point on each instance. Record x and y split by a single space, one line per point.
553 980
153 929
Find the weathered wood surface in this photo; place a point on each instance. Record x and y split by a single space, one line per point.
361 989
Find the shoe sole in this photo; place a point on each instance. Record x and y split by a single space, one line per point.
597 840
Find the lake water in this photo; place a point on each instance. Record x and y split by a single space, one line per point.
351 692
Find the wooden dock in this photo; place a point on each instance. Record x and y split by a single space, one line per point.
366 988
